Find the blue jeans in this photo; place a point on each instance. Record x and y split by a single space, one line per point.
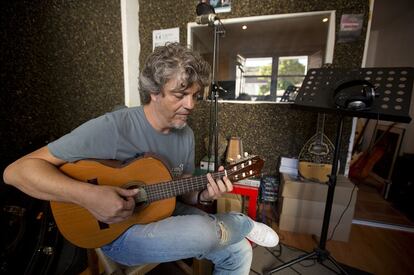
189 233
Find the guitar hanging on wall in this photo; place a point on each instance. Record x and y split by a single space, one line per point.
154 201
315 158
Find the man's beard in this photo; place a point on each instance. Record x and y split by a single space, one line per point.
179 126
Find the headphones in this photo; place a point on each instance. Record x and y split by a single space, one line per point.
356 95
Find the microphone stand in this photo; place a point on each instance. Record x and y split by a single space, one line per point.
218 30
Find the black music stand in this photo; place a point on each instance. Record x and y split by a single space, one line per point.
393 87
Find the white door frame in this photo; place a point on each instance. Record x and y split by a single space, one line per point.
131 50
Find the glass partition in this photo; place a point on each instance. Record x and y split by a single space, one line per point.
265 58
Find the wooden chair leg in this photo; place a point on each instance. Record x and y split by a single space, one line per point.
184 267
93 262
202 267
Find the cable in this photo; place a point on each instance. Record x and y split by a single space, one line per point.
343 213
273 252
300 250
277 256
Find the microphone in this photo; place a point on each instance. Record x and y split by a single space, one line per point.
240 66
206 19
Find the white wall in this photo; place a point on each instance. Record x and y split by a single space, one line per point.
131 49
391 44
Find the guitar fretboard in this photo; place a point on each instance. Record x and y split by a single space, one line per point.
178 187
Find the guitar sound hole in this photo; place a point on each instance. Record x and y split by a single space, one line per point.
141 204
141 199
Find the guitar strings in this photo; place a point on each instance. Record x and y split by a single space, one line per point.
171 189
180 186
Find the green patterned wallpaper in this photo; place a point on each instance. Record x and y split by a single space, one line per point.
61 64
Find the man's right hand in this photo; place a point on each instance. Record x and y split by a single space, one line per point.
111 204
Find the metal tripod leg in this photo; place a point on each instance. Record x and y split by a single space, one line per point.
335 263
321 256
292 262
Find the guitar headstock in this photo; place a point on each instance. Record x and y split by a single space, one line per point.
245 168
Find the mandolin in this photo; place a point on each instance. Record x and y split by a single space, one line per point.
315 158
154 201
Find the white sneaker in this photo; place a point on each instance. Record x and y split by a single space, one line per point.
263 235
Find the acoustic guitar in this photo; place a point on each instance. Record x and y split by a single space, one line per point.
363 165
315 158
154 201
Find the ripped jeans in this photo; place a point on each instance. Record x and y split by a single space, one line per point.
189 233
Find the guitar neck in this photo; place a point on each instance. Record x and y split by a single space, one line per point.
178 187
320 127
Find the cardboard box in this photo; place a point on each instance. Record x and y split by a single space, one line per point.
229 202
302 206
315 209
307 190
314 226
305 216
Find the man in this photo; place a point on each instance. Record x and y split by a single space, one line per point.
169 83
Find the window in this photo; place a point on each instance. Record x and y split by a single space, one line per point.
257 77
291 71
267 78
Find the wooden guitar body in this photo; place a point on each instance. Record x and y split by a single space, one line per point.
317 172
363 165
81 228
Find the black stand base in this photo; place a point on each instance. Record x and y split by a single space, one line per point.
319 254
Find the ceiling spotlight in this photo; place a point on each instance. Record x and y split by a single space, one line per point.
244 27
325 19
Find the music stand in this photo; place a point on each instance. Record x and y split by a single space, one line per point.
393 87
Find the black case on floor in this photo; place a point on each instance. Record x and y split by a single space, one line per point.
30 242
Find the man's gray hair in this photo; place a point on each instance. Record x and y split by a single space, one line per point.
170 61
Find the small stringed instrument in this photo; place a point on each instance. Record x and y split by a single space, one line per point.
154 201
315 158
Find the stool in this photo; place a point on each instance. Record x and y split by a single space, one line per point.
252 193
200 267
113 268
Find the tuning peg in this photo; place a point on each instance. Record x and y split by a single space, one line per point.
246 154
238 157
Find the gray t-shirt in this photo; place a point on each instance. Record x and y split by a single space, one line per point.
124 134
